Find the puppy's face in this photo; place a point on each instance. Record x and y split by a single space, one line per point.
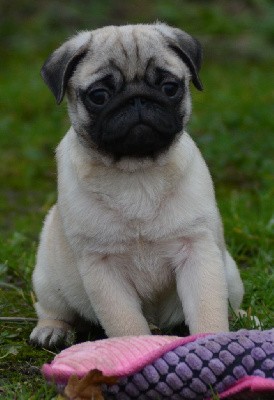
127 87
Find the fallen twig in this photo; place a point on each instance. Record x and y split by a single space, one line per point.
17 319
5 285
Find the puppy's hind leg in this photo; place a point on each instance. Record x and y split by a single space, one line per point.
53 261
236 292
234 283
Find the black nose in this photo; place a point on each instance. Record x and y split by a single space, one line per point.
137 102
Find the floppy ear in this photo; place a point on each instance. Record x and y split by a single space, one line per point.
59 67
187 48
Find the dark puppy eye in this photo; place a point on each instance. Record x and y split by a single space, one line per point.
99 97
170 88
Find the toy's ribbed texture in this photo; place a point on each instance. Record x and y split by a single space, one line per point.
162 367
197 369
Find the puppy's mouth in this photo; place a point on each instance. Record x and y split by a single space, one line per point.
139 140
138 132
141 132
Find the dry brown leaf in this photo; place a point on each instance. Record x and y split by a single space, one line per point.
89 387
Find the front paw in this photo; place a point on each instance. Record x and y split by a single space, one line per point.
49 337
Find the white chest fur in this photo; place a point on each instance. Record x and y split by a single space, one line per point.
118 210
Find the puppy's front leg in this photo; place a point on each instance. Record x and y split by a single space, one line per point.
202 287
113 299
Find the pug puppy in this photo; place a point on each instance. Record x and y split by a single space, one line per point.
135 237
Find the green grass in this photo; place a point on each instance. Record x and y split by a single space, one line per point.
232 123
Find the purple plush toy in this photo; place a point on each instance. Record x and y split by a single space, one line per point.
238 365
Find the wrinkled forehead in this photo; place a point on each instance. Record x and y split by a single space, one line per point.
130 49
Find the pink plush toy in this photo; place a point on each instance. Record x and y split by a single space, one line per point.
238 365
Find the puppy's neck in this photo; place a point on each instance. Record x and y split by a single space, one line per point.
125 164
134 164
